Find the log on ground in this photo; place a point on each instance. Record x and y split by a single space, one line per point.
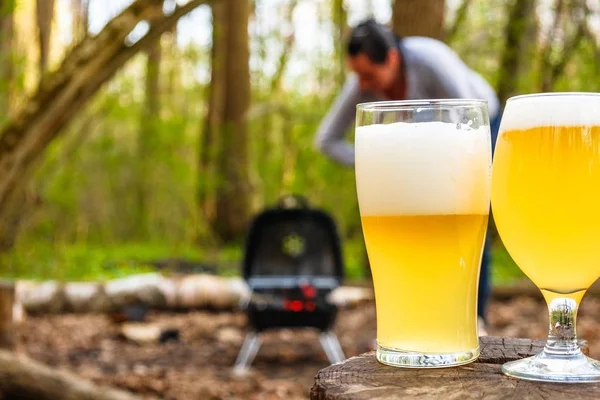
25 379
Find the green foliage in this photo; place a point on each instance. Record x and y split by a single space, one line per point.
355 258
81 262
71 262
503 268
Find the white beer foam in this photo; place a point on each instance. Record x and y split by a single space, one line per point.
423 169
551 110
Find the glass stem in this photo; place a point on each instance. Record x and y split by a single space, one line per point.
562 336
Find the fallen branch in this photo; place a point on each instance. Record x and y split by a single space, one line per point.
25 379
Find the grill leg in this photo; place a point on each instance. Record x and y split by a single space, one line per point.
331 346
247 353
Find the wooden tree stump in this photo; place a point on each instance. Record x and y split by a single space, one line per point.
7 300
363 377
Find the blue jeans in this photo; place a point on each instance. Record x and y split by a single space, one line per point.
484 279
484 274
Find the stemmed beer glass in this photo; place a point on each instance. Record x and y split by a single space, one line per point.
546 205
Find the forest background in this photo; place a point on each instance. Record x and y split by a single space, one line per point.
137 131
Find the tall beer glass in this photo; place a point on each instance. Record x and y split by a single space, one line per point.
546 203
423 185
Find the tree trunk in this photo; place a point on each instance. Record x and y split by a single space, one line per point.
80 12
209 149
6 57
233 191
340 18
520 18
419 18
7 300
63 93
148 136
173 72
459 19
226 194
44 13
10 224
364 378
288 44
266 152
13 212
568 30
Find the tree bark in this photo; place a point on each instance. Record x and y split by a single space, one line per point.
44 14
520 15
419 18
225 146
63 93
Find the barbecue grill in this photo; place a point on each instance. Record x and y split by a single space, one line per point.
292 262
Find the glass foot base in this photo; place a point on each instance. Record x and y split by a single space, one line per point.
409 359
545 367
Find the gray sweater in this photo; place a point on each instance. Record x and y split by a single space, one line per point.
433 71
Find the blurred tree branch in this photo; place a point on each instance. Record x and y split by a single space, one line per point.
552 70
44 13
279 107
589 33
6 56
520 14
64 92
288 44
569 47
419 18
80 10
461 16
546 50
340 22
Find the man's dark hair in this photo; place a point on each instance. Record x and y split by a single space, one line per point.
372 39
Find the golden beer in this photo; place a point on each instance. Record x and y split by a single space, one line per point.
423 191
419 260
546 199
